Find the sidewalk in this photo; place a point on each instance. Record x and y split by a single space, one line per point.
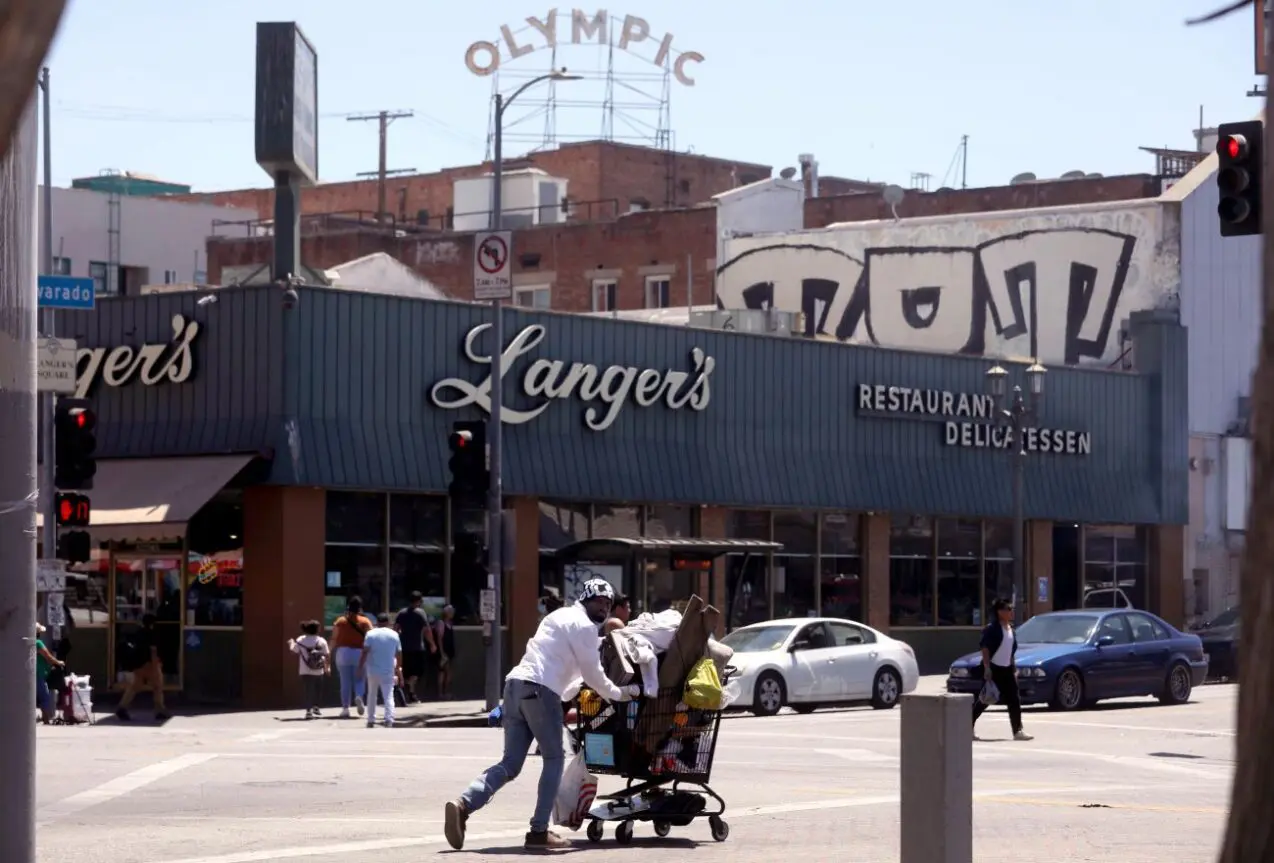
428 714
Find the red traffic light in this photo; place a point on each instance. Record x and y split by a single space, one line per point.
73 510
461 439
1232 146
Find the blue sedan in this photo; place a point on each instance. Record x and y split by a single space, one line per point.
1071 659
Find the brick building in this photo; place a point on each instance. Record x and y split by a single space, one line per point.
641 232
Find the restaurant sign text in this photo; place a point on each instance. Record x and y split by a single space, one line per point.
968 419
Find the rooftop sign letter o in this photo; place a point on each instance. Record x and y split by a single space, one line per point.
493 60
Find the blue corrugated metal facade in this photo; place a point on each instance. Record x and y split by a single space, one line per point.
340 389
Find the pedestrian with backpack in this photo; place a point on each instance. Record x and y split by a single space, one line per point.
313 666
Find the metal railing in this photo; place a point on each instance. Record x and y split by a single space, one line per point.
569 212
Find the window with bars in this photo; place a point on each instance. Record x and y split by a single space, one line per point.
534 297
658 289
604 295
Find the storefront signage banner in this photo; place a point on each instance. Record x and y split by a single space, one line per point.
547 381
969 419
151 363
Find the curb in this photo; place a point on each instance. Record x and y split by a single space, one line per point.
457 722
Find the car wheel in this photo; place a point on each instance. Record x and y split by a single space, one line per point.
886 689
1177 686
805 708
770 694
1068 693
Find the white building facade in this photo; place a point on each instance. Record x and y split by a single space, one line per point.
125 242
1057 284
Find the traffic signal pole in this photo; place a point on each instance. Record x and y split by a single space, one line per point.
48 441
495 498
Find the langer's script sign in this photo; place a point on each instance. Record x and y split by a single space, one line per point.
546 381
152 364
483 57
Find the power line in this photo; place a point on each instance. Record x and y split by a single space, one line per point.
383 119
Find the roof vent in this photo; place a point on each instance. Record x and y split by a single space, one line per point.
1073 175
1092 176
1024 177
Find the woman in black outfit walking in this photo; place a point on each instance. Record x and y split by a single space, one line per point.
999 665
445 637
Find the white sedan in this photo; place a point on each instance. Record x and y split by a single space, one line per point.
807 663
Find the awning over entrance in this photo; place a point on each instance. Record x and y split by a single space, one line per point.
681 545
154 491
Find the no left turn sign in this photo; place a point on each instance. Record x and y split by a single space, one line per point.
492 276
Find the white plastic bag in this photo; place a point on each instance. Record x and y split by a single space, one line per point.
575 795
731 692
81 697
990 693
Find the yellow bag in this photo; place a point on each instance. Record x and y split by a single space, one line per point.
703 686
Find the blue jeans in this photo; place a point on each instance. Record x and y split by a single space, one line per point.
353 684
531 713
43 696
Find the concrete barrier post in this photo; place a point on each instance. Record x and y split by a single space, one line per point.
937 779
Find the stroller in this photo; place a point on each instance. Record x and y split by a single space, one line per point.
664 749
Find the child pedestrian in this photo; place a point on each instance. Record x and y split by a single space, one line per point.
313 664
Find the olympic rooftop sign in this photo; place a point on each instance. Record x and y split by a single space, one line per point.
483 57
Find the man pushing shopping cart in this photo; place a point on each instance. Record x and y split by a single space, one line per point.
564 647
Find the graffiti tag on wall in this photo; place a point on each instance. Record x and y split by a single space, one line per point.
1051 293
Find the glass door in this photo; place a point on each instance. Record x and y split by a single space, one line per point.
141 586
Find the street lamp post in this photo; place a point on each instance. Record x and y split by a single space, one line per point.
495 496
1016 408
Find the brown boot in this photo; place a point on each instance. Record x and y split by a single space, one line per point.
453 823
547 839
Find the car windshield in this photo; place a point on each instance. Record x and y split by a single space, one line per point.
1057 629
755 639
1227 618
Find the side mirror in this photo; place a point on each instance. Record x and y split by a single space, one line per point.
1105 640
799 644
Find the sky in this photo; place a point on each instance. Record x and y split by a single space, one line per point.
876 91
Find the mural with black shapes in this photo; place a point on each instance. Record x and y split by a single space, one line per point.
1057 293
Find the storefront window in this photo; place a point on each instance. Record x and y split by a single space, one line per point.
417 550
1114 564
747 594
87 589
356 517
999 563
911 570
840 565
664 588
561 524
214 589
353 570
355 552
214 565
467 569
959 587
616 522
794 577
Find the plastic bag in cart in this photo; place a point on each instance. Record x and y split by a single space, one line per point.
703 686
575 795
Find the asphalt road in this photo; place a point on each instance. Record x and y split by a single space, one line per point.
1133 781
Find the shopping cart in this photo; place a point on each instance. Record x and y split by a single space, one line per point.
664 750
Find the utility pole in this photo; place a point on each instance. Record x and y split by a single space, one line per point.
47 401
18 490
383 119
